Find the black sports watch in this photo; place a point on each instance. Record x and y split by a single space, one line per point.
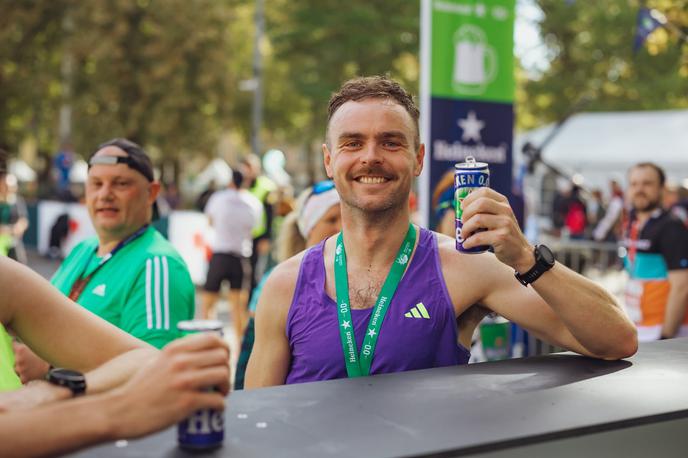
73 380
544 260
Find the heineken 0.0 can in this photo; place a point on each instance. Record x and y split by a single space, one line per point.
205 429
468 176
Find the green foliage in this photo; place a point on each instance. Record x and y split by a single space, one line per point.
161 73
167 73
591 50
324 42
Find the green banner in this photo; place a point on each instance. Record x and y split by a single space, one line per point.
472 50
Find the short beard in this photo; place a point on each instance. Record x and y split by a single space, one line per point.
651 206
377 215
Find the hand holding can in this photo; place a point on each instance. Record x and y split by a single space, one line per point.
490 220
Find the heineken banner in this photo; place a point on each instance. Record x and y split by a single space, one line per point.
467 91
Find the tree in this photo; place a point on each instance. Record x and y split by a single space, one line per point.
591 54
318 44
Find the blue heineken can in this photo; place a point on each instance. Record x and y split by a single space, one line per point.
468 176
205 429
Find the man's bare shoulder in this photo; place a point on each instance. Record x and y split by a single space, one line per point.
278 291
285 274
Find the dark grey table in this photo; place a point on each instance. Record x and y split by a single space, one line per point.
554 405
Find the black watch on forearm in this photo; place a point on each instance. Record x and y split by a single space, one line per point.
544 260
72 380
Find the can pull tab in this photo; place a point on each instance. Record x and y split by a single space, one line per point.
470 160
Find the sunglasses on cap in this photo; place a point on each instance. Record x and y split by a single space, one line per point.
321 186
130 161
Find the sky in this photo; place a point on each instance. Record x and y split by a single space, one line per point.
528 46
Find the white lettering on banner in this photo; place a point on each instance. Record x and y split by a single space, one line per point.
499 13
456 8
458 152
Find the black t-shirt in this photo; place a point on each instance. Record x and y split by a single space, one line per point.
665 234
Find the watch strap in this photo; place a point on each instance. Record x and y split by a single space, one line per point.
536 271
72 380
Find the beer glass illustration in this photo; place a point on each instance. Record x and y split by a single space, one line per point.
475 61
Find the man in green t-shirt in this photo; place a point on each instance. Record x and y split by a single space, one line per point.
129 274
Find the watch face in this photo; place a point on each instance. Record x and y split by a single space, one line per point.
546 254
68 375
73 380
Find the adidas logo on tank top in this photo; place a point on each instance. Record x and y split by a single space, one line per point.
419 311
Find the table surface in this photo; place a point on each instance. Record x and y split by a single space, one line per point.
483 409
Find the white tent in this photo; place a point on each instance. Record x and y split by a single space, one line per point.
601 146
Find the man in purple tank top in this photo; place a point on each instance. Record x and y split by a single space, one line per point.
384 295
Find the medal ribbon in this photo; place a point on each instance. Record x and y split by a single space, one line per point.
79 285
358 365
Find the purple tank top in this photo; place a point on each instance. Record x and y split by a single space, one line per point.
418 332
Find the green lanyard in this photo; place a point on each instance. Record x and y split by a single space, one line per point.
359 365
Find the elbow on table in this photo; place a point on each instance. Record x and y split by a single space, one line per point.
624 347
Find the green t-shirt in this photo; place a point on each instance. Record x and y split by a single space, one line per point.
8 378
144 289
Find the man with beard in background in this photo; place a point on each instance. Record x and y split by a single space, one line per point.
657 259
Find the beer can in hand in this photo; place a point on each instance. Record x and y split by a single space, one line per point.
205 429
468 176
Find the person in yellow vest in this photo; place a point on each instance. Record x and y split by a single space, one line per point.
117 386
263 188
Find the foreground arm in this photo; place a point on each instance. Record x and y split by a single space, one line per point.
270 358
110 375
63 333
562 306
164 391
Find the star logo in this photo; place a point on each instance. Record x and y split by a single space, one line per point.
346 324
471 127
371 332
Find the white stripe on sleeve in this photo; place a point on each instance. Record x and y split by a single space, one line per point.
149 311
166 291
158 313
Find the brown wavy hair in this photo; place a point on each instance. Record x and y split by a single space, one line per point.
374 87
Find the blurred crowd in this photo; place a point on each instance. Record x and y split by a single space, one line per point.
582 214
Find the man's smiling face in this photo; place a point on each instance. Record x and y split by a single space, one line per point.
372 155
